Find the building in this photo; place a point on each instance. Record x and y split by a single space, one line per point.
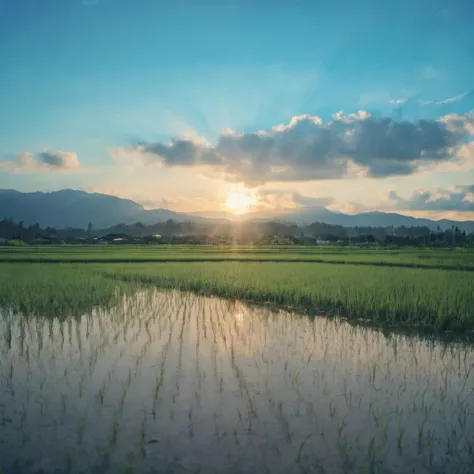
119 240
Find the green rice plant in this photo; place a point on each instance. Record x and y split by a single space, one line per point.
430 439
156 391
58 290
68 461
81 385
81 426
371 454
115 428
101 393
440 299
416 258
300 449
190 424
426 298
122 399
319 375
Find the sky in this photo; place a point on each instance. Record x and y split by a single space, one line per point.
357 106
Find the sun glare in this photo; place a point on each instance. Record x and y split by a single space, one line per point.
239 201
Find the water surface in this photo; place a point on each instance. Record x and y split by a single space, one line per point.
174 382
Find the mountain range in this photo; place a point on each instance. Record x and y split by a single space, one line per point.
71 208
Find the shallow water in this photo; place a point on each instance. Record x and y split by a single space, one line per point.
174 382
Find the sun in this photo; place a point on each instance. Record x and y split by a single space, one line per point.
239 201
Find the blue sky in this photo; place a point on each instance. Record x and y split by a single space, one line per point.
93 76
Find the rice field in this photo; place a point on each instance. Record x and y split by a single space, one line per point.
460 258
433 298
427 299
56 290
165 381
237 364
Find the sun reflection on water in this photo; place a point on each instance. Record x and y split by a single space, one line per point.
168 376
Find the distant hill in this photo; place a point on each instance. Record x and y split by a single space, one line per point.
70 208
368 219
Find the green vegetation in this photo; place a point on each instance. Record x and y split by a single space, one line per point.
162 371
433 298
370 285
56 290
443 258
160 366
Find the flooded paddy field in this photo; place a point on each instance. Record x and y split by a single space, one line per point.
166 381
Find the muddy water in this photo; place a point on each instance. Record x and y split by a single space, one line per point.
173 382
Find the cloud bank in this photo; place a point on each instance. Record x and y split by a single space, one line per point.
310 149
457 198
47 160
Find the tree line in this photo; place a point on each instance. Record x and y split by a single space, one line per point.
241 232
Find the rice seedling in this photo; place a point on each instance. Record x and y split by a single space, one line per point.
101 393
81 385
115 428
81 426
68 461
424 258
122 399
371 452
374 401
156 391
414 296
143 434
300 449
427 298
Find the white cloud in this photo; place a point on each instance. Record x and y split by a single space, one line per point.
57 161
448 100
462 124
463 160
347 146
280 201
454 198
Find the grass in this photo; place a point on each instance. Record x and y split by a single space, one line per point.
58 290
434 298
429 298
420 258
